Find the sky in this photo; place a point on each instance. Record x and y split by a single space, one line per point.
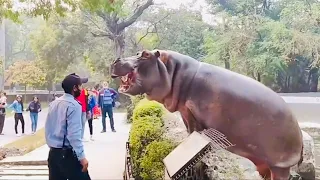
198 5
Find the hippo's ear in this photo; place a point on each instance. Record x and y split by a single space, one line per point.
157 54
162 56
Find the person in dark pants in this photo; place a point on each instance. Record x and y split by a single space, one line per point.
34 108
106 103
17 107
3 105
63 129
91 104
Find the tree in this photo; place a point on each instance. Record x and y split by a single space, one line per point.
27 73
57 44
268 41
180 30
45 8
6 10
1 65
17 41
116 22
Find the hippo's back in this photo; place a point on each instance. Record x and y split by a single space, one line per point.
248 113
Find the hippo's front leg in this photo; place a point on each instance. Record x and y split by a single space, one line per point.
190 121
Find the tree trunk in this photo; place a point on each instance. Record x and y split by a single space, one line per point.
259 77
25 94
313 79
227 61
119 44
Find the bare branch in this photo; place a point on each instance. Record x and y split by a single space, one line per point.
146 34
158 38
101 35
135 16
23 48
91 20
154 25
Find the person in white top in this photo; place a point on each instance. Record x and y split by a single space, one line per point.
3 105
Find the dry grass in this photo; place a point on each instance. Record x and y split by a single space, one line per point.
28 143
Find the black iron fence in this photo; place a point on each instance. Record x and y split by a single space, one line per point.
128 170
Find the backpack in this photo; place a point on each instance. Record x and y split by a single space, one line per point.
107 98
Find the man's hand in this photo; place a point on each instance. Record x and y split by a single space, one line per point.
84 162
88 115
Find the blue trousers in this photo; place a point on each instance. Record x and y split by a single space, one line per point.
107 109
34 121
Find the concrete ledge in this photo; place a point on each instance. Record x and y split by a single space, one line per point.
24 163
9 167
24 177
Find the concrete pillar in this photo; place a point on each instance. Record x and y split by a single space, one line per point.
2 52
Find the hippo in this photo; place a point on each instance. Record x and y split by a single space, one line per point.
253 117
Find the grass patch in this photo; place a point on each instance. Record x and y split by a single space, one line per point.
28 143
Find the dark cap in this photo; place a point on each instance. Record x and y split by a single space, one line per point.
72 80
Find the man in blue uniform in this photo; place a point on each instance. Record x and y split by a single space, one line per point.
63 134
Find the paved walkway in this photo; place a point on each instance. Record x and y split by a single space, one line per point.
105 154
8 129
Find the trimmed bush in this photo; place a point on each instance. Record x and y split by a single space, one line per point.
147 108
147 145
151 163
143 132
134 101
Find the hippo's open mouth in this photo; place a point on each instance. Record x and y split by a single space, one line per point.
127 81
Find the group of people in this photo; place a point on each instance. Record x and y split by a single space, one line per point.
94 102
34 108
65 125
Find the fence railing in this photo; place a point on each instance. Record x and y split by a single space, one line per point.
128 171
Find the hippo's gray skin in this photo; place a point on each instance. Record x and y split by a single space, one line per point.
252 116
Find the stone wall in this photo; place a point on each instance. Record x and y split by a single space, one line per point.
221 164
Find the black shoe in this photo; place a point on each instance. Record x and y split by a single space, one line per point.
113 130
103 131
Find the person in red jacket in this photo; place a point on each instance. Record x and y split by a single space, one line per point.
96 109
83 99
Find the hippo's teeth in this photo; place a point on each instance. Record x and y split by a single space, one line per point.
124 78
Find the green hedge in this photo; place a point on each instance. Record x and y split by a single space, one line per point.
147 108
134 101
148 148
151 162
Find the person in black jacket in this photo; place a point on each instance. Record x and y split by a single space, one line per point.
34 108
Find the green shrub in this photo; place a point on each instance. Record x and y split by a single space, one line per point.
146 135
143 132
134 101
152 162
147 108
